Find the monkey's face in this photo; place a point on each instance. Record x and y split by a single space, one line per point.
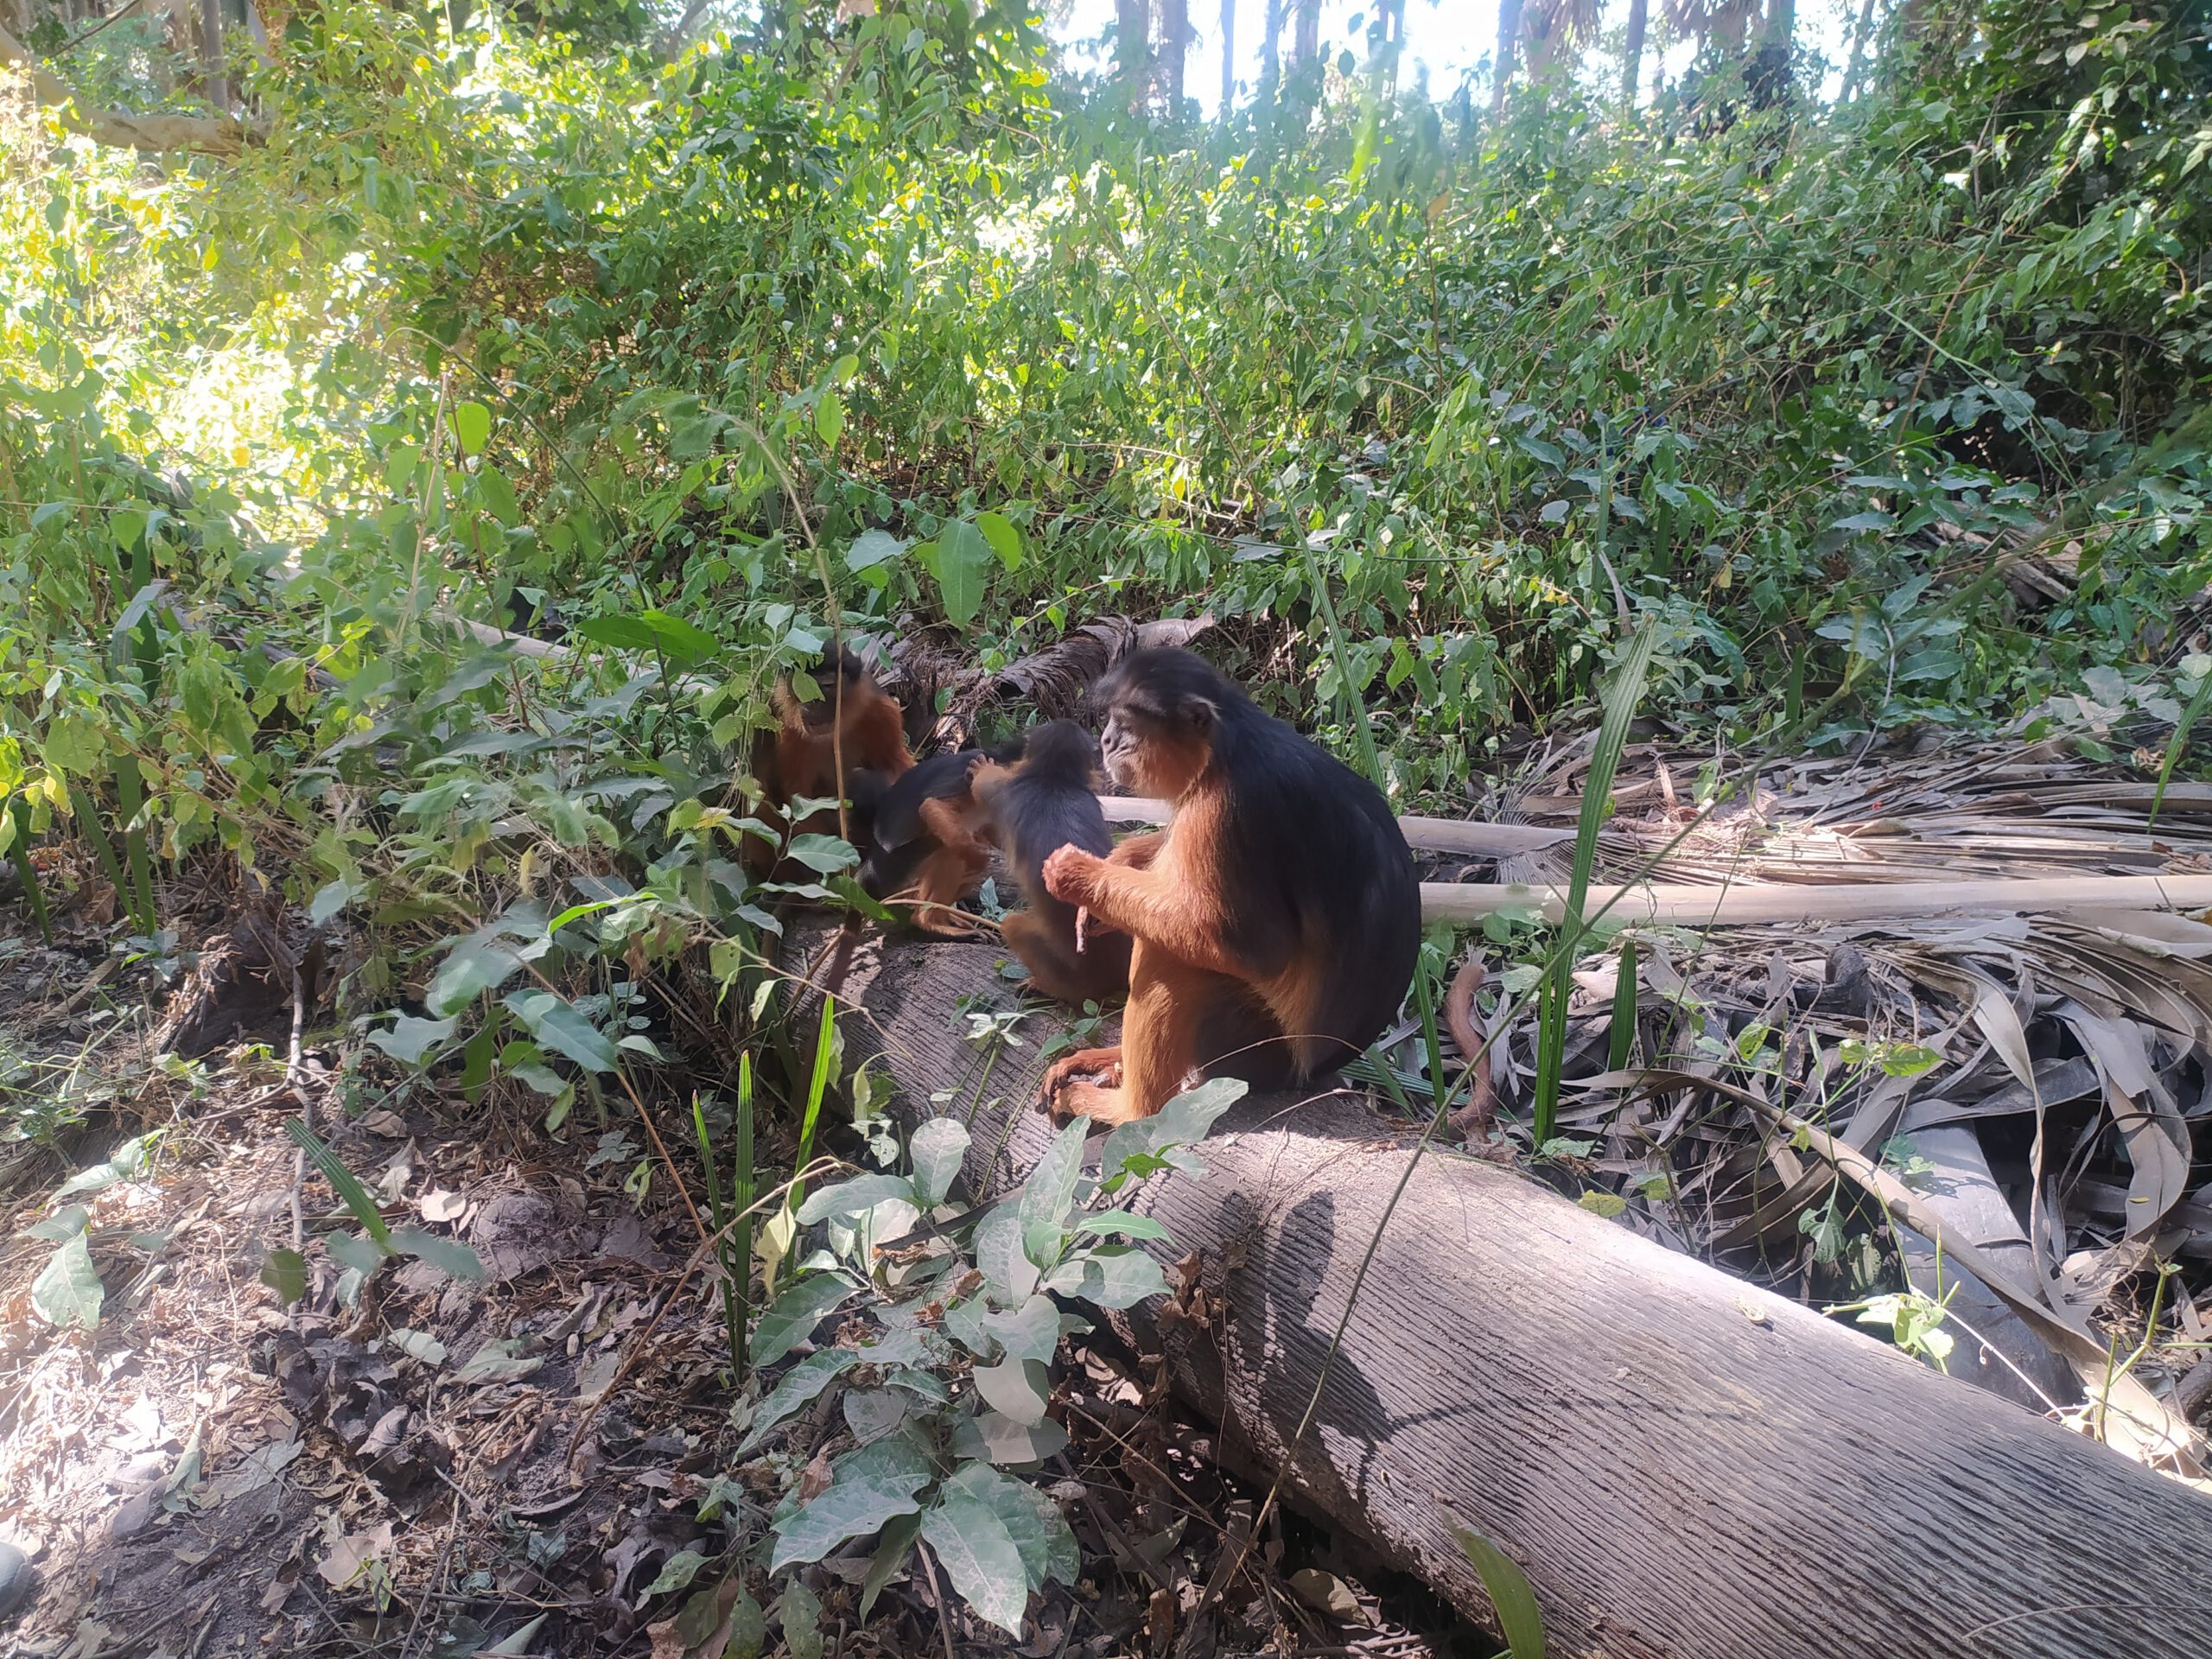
1162 709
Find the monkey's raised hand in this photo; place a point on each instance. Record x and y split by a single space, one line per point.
1071 874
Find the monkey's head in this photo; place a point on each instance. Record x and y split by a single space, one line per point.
1164 710
837 681
1061 751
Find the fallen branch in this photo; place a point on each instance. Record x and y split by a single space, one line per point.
1683 1463
1790 901
222 135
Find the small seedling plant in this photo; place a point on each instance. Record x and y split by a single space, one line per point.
951 1318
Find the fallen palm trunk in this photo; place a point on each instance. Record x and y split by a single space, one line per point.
1790 901
1682 1464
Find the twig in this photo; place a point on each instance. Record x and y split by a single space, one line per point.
936 1594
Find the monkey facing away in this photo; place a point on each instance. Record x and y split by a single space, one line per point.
927 850
848 741
1276 920
1042 803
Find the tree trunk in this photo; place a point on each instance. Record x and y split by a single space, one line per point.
1632 54
1175 48
1393 41
1508 41
1271 51
210 53
1228 57
1860 35
1305 44
1685 1466
1133 47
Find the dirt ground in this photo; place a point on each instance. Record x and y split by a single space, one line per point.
442 1468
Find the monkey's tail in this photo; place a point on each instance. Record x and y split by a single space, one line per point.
1474 1119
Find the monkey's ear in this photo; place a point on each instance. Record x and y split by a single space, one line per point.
1201 715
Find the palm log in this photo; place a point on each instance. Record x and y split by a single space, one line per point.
1683 1464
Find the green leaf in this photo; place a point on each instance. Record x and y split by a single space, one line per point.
408 1038
498 495
556 1023
68 1292
873 547
1598 1203
1518 1616
1111 1276
938 1148
1010 1501
449 1255
830 418
959 559
1011 1275
749 1629
873 1412
1031 1332
982 1559
826 853
1018 1388
891 1553
1549 454
684 645
331 898
853 1198
355 1197
1007 1443
472 424
1005 539
477 963
356 1252
790 1318
799 1612
1863 521
1184 1120
803 1382
676 1573
1121 1222
849 1509
285 1272
1048 1195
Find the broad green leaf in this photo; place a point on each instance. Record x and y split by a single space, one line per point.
749 1629
331 898
1019 1389
804 1382
871 547
826 853
476 964
68 1292
1184 1120
408 1038
982 1559
959 559
790 1318
285 1272
1048 1195
355 1252
1863 521
938 1148
555 1022
499 1360
873 1412
1031 1332
856 1197
676 1573
799 1611
849 1509
1009 1445
498 495
684 645
1011 1275
1121 1222
891 1553
449 1255
1518 1616
472 424
1005 539
830 418
1111 1276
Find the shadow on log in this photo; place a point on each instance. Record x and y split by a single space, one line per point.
1683 1464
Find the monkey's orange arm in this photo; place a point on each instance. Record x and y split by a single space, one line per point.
1151 905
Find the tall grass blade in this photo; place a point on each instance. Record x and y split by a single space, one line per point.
1620 699
2179 741
743 1191
34 895
734 1326
1518 1616
88 825
131 795
1624 1031
343 1181
817 1085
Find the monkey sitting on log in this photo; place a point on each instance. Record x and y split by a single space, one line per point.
1043 802
1275 922
849 742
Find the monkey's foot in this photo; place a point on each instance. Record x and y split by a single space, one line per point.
1087 1073
1099 1104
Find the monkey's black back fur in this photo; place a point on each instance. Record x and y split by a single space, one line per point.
1048 804
898 842
1311 858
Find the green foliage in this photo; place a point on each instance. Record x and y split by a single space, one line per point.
942 1405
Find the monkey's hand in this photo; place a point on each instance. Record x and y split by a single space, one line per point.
1071 875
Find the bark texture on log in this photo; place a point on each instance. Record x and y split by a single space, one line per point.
1684 1464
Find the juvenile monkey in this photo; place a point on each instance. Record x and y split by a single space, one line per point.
928 845
853 722
1274 922
1043 802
